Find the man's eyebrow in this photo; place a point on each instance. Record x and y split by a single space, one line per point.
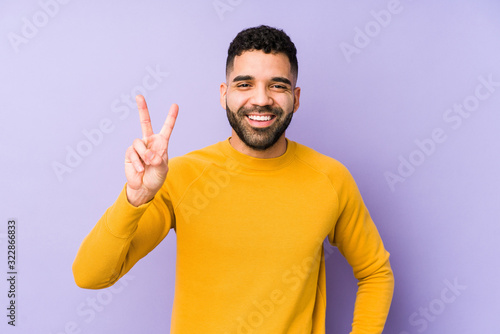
249 78
282 80
243 78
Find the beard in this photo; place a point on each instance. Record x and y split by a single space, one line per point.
259 139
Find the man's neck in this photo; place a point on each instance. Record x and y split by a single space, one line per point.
278 149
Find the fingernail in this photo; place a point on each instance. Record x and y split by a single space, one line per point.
150 155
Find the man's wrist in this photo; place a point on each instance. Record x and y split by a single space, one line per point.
138 197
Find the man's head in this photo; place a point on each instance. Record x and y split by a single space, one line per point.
259 95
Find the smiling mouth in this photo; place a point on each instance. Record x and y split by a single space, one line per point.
261 118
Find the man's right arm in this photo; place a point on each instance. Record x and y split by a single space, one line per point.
122 236
141 216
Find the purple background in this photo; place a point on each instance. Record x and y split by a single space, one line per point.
366 109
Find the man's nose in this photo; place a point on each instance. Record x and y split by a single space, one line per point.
262 97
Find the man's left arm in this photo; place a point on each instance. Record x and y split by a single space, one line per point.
359 242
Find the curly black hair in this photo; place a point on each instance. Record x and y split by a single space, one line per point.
265 38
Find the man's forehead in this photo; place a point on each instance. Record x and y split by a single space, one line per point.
257 61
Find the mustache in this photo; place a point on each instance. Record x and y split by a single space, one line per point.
260 110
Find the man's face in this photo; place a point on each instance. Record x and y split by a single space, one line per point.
260 98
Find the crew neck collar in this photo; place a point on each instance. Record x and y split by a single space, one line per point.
252 163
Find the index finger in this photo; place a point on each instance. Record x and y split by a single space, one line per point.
147 130
168 126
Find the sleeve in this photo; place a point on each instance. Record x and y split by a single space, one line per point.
121 237
358 240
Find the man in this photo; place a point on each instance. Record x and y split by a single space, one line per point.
250 213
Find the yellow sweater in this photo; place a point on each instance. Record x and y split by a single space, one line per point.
249 242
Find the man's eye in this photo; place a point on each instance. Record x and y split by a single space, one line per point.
244 85
279 86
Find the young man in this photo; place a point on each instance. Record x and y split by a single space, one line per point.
250 213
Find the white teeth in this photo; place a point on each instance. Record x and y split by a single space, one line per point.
259 118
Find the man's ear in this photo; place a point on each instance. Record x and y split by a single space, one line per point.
223 93
296 98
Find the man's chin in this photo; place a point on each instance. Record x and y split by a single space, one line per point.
258 138
259 144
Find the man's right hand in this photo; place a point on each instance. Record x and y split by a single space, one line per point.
146 161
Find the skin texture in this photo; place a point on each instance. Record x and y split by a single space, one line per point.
258 84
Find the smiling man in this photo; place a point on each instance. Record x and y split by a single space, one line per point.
250 213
